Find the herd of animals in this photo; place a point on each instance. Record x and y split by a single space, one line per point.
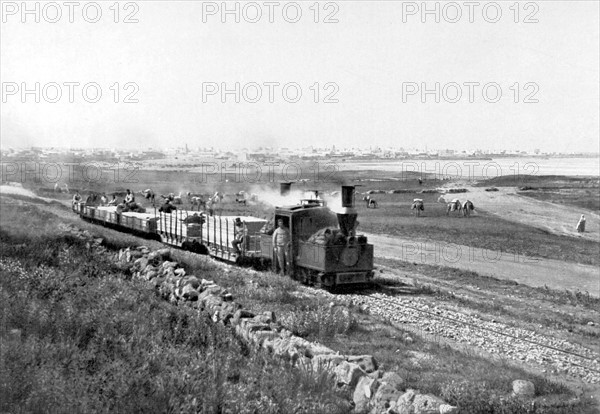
210 202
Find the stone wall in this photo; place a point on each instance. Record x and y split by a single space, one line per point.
374 391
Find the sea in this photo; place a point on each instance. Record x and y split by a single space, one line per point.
480 168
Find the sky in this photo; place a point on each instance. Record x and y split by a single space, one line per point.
360 68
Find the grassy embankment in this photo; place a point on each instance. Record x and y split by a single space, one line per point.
93 340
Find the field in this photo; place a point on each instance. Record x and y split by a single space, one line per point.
74 291
571 191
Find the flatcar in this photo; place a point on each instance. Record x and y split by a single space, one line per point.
324 249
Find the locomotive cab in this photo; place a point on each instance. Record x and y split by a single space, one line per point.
324 248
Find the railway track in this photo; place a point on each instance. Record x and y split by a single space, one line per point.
519 344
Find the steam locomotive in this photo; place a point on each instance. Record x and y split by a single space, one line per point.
324 249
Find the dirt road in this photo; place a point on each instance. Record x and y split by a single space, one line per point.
522 269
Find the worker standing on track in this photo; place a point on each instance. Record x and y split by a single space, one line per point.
281 241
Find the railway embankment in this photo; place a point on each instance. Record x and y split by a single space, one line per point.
373 390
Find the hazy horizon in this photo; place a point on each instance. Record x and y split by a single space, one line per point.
365 61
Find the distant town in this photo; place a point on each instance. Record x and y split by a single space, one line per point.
260 154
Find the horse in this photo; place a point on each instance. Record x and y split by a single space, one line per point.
371 202
65 188
467 208
172 198
148 195
196 200
418 206
454 205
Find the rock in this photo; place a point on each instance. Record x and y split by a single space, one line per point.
286 347
228 309
141 263
179 272
150 275
190 280
448 409
214 289
375 374
211 303
348 373
168 264
318 349
241 314
590 323
259 337
366 362
384 396
253 326
189 293
394 380
363 392
135 254
205 283
265 317
204 295
427 404
405 401
523 388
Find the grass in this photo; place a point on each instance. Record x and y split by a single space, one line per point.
92 340
582 198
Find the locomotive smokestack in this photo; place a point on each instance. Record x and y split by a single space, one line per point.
284 189
348 196
347 216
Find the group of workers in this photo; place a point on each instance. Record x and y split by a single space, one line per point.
129 198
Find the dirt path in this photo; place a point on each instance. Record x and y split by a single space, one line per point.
526 270
507 204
